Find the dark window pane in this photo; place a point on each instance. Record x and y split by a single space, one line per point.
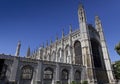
78 53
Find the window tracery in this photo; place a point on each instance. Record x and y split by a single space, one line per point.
78 52
26 73
48 74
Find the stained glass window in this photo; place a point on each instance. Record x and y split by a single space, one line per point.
78 52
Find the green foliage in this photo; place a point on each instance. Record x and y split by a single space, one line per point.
57 82
73 82
116 69
117 48
85 82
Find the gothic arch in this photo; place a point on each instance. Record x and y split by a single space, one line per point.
96 51
65 76
78 52
26 74
48 75
77 75
98 62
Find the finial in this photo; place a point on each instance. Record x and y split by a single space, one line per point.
98 24
28 52
62 33
97 20
47 43
51 41
18 49
56 36
81 6
43 45
70 28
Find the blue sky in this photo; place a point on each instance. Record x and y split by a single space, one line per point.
33 22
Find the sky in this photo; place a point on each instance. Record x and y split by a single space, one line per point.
33 22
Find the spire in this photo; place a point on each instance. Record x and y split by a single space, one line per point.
81 14
56 37
28 52
62 33
70 28
43 45
98 24
47 43
18 49
51 41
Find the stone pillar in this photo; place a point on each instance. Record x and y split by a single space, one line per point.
85 44
72 73
70 44
13 75
106 57
83 73
39 73
57 73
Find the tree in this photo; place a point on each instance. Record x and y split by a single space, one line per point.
116 69
117 48
116 65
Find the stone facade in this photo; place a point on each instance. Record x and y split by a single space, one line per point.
80 56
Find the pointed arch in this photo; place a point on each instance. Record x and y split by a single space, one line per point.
48 73
77 75
96 51
26 74
64 76
78 52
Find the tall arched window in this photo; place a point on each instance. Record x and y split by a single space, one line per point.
96 53
78 53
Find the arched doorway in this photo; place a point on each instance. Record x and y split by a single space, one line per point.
26 74
48 75
78 52
77 77
64 76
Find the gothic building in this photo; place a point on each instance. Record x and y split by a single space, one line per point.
80 56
